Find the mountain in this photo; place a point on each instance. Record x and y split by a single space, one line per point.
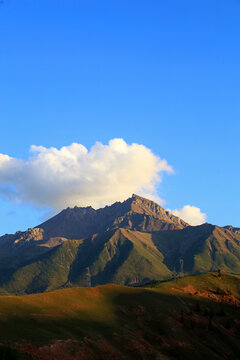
194 317
136 213
232 228
127 243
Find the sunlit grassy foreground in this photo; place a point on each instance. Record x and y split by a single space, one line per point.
198 314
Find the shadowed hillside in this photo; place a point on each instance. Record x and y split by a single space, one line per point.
193 317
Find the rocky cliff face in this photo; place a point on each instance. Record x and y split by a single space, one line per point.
233 229
136 213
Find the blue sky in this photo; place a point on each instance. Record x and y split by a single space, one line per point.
164 74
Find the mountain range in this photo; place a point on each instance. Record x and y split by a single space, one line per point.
127 243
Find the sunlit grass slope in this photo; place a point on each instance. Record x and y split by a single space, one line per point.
195 316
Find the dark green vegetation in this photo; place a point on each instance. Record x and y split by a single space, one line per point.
8 353
127 243
193 317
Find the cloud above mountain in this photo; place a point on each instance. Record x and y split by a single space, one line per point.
191 214
72 175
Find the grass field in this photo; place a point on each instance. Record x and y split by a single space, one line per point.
196 316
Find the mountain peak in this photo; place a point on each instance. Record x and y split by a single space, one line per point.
145 206
135 213
135 196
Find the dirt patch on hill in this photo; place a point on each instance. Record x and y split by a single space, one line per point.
218 295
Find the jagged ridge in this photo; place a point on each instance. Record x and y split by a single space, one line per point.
136 213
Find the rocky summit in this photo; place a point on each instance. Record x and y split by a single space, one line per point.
130 242
136 213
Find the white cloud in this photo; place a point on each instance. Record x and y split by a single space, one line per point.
73 175
191 214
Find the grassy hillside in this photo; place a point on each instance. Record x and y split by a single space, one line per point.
127 243
121 256
48 272
124 257
203 248
194 317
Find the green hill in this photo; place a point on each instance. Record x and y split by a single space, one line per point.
126 257
128 243
120 256
193 317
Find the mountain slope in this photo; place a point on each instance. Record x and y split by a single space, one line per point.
233 229
136 213
119 256
127 257
133 242
203 248
48 272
